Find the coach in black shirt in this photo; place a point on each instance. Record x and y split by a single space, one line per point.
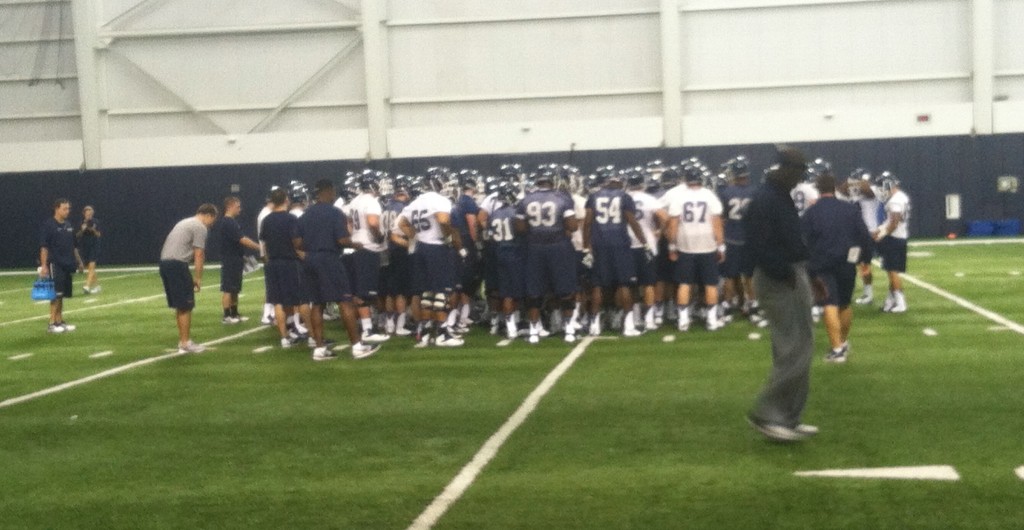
783 288
57 259
232 259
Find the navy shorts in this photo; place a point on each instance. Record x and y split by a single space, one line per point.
664 268
894 254
365 273
614 267
490 269
63 282
177 285
737 262
396 278
645 269
89 252
867 253
469 270
325 278
551 269
583 273
697 269
231 274
510 267
839 281
284 286
433 269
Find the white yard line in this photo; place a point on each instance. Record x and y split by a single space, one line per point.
994 317
90 308
20 356
965 242
458 486
104 278
105 269
944 473
98 355
114 371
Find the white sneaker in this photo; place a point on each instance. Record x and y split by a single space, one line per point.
806 430
323 353
534 338
96 290
570 337
55 328
683 324
267 321
86 289
68 327
242 318
864 299
389 326
544 333
229 321
374 337
890 302
632 332
362 351
595 326
191 347
898 308
448 340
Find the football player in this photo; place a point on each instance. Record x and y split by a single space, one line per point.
652 217
364 216
737 270
891 237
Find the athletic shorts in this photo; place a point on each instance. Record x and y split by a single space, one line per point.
490 269
178 285
551 269
396 278
894 254
89 252
284 286
231 274
646 273
613 267
697 269
433 269
867 253
63 282
839 280
365 274
325 278
664 268
510 265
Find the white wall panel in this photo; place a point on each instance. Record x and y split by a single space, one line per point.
525 57
1009 67
500 112
909 94
476 9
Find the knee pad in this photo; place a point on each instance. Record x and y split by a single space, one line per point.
440 302
427 301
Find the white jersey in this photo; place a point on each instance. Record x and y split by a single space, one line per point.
579 205
422 215
869 209
899 203
297 211
359 211
804 196
259 228
340 204
490 203
646 206
695 208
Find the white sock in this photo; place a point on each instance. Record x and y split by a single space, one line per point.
464 313
627 323
268 310
900 300
869 290
649 317
400 321
712 315
367 324
453 316
684 313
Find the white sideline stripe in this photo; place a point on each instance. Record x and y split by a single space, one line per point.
106 269
19 357
263 349
97 355
995 317
90 308
900 473
29 289
114 371
965 242
489 450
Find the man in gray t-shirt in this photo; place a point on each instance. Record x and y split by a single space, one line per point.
185 243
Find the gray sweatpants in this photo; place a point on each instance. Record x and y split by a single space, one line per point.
788 309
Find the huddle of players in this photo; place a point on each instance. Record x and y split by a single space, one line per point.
652 243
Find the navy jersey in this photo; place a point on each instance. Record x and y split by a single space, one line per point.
230 235
465 205
278 231
735 200
388 217
502 226
321 226
59 241
544 212
609 207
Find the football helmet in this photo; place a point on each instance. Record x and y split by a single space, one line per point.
886 183
298 192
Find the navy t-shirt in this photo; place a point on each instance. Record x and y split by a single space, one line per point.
59 240
610 228
321 226
88 237
464 206
545 212
735 200
279 229
230 235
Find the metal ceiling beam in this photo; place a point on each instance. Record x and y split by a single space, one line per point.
227 30
131 12
309 83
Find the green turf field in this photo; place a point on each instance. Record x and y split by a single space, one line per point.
638 433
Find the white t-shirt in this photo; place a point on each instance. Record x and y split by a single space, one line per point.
579 205
695 208
804 196
422 215
646 206
359 210
899 203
